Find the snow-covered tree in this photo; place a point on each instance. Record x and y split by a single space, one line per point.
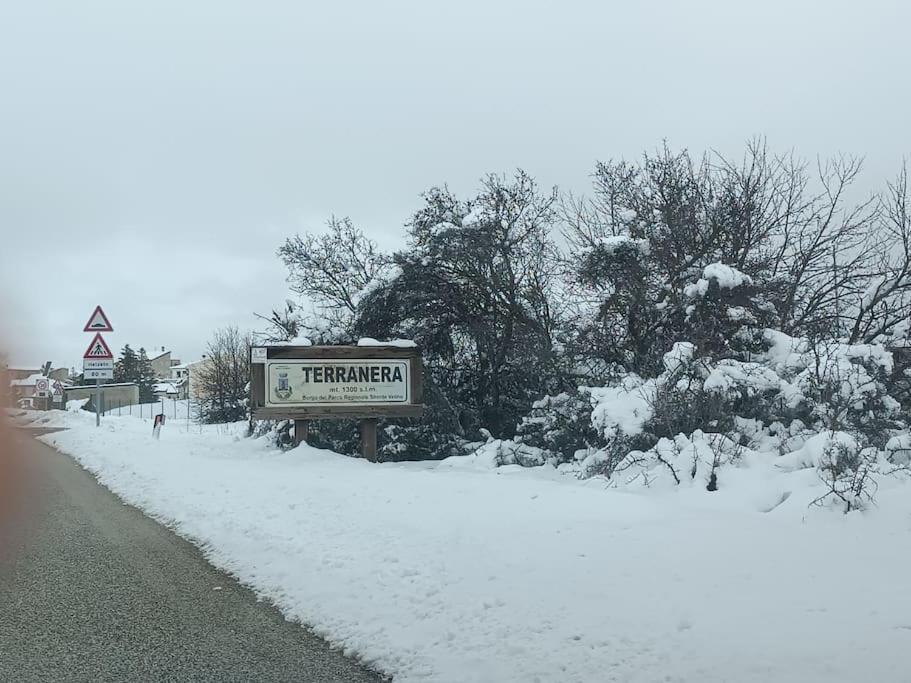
126 369
476 289
145 377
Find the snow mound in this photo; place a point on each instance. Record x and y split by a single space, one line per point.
726 276
624 408
300 340
614 243
399 343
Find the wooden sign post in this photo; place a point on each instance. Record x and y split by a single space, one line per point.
304 383
301 427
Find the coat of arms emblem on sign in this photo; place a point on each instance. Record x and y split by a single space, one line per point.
283 389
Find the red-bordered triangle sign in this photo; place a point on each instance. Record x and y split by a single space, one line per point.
98 322
98 349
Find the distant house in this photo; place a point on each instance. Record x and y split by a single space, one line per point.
24 373
162 362
180 378
26 387
191 371
166 390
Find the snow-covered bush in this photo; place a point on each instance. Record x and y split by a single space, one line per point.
898 450
681 403
509 452
726 313
341 436
415 439
561 425
694 459
836 386
702 415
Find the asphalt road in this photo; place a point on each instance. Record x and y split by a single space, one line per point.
93 590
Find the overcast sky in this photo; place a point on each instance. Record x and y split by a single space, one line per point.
153 155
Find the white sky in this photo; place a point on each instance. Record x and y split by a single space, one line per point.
153 155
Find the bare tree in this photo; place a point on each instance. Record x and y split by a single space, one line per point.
283 324
221 383
825 252
333 268
885 302
826 262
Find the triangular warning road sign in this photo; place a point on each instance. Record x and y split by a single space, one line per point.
98 322
98 349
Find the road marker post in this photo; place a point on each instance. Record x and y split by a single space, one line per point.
157 425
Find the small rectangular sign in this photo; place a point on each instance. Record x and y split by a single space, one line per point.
258 354
99 374
58 398
103 364
332 382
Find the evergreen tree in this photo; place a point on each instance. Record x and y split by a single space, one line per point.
145 378
126 369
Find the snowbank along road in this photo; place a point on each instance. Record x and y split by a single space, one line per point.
92 590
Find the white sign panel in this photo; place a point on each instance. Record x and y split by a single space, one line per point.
105 364
41 386
258 355
327 382
99 374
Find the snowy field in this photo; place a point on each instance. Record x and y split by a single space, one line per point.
456 572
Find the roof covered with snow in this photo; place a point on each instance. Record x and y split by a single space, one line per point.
29 381
153 352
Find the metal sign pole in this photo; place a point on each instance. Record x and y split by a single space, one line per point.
98 361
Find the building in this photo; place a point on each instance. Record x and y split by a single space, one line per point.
167 390
161 360
112 395
24 373
180 378
191 370
26 387
22 388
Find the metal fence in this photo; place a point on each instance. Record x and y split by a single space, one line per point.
169 407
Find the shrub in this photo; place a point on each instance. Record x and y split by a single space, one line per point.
561 425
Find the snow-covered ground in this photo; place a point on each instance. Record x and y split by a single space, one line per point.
456 572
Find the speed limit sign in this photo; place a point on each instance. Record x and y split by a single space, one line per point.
41 387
